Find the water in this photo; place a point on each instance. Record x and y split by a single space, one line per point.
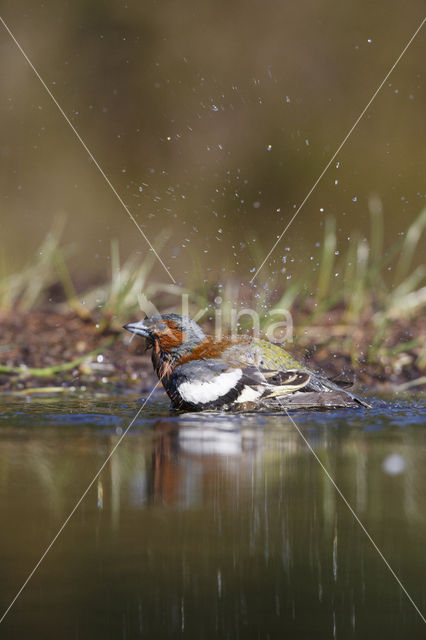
211 526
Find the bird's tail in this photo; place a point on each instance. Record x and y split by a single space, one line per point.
319 383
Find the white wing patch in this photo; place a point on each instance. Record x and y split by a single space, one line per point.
248 394
202 392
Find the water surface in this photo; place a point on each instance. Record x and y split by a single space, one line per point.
211 525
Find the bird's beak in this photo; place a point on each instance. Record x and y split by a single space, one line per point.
137 327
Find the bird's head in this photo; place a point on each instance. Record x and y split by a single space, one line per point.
170 335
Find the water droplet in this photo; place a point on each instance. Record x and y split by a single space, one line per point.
394 464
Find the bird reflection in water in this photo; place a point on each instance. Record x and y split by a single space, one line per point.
185 455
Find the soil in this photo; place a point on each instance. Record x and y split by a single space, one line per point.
45 339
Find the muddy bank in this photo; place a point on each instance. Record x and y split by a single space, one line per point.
46 350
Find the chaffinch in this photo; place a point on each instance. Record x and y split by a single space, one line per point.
199 372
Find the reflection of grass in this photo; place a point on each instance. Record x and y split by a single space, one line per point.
362 294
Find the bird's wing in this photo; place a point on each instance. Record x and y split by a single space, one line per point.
259 353
281 383
213 383
206 384
313 400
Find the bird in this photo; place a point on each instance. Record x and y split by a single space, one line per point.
200 372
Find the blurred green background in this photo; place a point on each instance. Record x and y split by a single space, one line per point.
212 120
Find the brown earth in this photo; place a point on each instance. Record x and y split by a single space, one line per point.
44 339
